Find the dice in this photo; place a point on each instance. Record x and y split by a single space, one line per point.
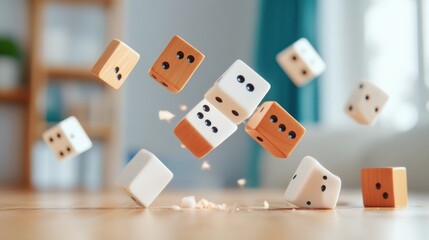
67 139
275 129
366 103
203 129
313 186
238 92
144 178
301 62
384 187
176 64
115 64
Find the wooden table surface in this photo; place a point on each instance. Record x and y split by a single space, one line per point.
111 215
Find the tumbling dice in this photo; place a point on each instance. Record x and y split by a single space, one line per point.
366 103
313 186
275 129
301 62
144 178
67 139
238 92
115 64
176 64
203 129
384 187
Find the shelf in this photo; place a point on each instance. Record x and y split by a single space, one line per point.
19 95
94 132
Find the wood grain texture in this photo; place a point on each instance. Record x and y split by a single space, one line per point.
115 64
113 215
182 60
275 129
384 187
192 139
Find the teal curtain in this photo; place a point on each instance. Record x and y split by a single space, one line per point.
282 22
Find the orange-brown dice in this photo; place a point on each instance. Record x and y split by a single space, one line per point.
275 129
384 187
115 64
176 64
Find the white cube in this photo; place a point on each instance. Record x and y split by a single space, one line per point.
313 186
238 92
366 103
67 139
144 178
301 62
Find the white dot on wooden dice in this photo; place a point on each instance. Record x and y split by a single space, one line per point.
144 178
313 186
301 62
67 139
366 103
238 92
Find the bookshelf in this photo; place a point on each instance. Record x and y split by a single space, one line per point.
41 75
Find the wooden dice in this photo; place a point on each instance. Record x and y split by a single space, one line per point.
384 187
115 64
176 64
275 129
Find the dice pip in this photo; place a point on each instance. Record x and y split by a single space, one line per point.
176 64
313 186
238 92
384 187
301 62
275 129
203 129
67 139
115 64
366 103
144 178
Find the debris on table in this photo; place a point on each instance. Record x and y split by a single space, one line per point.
241 182
266 205
190 202
183 107
205 165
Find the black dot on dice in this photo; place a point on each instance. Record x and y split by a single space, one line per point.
294 176
260 139
58 135
200 115
206 108
361 86
325 177
214 129
293 57
116 69
208 122
240 79
376 109
61 153
68 149
304 72
367 97
180 55
308 203
165 65
292 135
235 113
385 195
190 59
323 188
273 118
119 76
250 87
282 128
51 139
218 99
350 108
378 186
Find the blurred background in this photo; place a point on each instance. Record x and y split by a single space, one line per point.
48 46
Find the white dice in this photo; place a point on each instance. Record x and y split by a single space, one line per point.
313 186
366 103
238 92
144 178
301 62
67 139
204 128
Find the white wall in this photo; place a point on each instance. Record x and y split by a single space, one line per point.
223 30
